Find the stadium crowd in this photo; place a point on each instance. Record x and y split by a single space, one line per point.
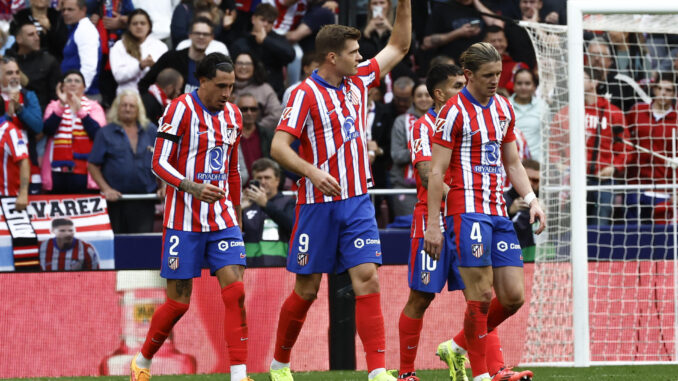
85 82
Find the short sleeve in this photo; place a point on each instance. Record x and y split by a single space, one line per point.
510 131
295 113
420 143
447 125
18 144
170 126
369 73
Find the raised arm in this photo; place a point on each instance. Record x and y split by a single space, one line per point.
400 40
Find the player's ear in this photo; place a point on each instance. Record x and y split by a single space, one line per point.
332 57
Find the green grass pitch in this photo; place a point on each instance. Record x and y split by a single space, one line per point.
601 373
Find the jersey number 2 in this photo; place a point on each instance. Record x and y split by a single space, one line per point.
174 241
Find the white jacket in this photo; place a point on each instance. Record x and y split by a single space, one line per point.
125 68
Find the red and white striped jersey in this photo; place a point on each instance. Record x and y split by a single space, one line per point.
13 147
330 122
80 256
475 134
419 143
202 146
289 17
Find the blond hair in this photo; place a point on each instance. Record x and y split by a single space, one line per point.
478 54
142 119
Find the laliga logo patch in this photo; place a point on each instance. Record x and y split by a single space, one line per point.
302 259
359 243
440 125
477 250
492 152
165 127
417 145
216 157
223 245
286 113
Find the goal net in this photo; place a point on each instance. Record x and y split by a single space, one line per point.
628 127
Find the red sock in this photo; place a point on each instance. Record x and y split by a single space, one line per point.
369 323
164 318
460 339
497 314
292 316
409 330
235 322
494 358
475 329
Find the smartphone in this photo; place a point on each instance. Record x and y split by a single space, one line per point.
255 183
377 11
475 22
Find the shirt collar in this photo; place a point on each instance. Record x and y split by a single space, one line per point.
432 112
316 77
195 96
473 100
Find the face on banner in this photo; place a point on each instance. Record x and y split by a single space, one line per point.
56 233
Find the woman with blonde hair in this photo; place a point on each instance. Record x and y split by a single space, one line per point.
120 163
133 55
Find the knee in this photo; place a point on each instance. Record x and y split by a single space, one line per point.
419 302
513 304
367 284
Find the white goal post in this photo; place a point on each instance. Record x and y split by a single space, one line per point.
572 343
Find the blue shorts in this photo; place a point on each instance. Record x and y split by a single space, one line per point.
426 275
333 237
183 252
482 240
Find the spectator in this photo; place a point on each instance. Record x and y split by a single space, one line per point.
120 163
378 134
133 55
189 10
161 15
530 110
403 88
41 69
376 34
519 211
269 218
628 55
268 47
236 20
159 95
181 19
598 56
317 14
214 46
651 127
65 252
454 26
49 24
184 61
15 167
402 173
23 110
82 51
250 78
110 18
309 62
605 156
496 37
255 141
530 11
73 122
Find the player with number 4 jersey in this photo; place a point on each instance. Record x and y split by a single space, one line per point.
474 141
196 153
335 228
